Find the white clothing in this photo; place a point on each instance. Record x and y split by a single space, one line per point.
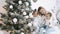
37 23
54 29
1 32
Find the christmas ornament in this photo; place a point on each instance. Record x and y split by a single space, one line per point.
11 6
20 2
19 7
26 17
24 13
23 6
27 8
22 10
27 3
14 20
11 13
22 32
29 24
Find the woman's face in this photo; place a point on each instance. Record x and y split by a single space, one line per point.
43 11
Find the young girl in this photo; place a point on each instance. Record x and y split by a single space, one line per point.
47 18
45 23
52 28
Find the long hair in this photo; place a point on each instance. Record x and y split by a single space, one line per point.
39 10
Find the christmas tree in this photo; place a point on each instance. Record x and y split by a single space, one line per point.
18 16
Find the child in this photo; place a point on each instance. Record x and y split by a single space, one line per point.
52 29
47 19
46 23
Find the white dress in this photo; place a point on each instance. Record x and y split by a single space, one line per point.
54 29
37 23
53 21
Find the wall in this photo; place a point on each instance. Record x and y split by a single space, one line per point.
48 4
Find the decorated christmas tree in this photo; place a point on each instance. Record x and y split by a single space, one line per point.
18 16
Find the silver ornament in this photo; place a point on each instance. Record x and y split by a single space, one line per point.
27 3
20 2
27 8
15 20
24 13
11 6
22 32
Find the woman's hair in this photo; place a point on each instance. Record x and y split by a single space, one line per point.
39 10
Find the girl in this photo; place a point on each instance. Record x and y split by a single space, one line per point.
52 28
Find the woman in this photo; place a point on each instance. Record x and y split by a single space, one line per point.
38 20
42 12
